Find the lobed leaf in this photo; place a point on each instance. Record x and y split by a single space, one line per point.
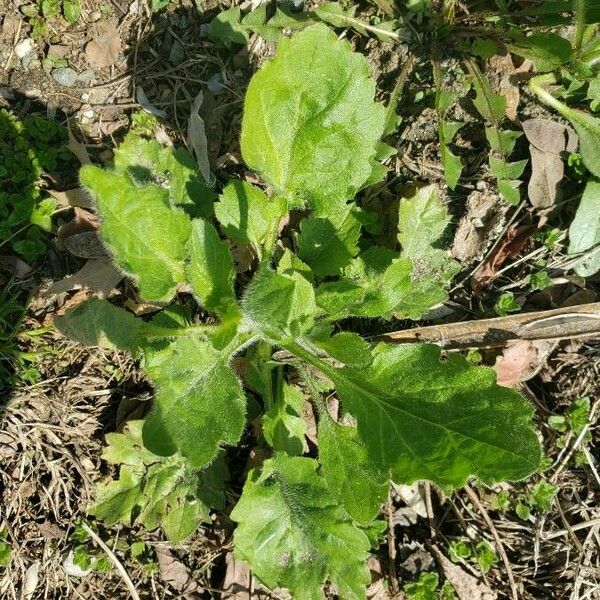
155 491
312 138
199 404
351 474
441 421
147 237
294 535
96 322
210 270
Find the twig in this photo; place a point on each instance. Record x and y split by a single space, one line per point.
115 561
561 323
499 546
391 539
7 62
577 527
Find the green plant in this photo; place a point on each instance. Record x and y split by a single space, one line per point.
29 148
301 520
426 588
5 550
40 10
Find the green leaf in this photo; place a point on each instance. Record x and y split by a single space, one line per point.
279 305
294 535
227 28
155 491
547 51
328 245
175 169
422 219
347 347
507 170
452 166
312 138
5 553
442 421
509 190
98 323
71 10
271 29
283 425
502 140
336 297
338 16
146 236
486 557
491 106
199 405
584 232
355 479
211 270
247 215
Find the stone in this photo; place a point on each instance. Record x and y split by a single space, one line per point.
65 76
24 47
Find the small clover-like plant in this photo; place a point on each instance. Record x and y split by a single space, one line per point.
311 130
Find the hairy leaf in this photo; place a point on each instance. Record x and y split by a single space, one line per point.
584 232
328 244
346 347
147 161
155 491
146 236
356 480
247 215
442 421
210 269
312 138
98 323
199 404
279 305
547 51
283 425
294 535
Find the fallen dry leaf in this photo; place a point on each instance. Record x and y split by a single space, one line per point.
80 235
196 138
18 267
483 214
465 585
521 360
174 573
503 65
75 197
548 141
97 275
77 148
236 584
511 246
105 47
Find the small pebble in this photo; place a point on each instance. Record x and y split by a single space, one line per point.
215 84
33 93
96 16
85 97
24 47
65 76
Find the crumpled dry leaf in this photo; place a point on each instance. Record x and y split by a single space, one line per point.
503 65
77 148
174 573
80 235
484 212
104 49
520 361
75 197
465 585
236 584
548 140
97 275
514 241
196 138
143 101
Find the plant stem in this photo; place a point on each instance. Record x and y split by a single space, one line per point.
309 357
536 85
153 332
580 12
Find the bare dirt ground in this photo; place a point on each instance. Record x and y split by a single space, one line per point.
119 58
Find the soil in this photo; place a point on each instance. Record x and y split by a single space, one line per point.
52 431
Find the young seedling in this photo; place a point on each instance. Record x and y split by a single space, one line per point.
310 130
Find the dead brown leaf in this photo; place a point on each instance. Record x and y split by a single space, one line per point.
503 65
236 585
548 141
75 197
521 360
18 267
512 245
80 235
97 275
174 573
104 49
465 585
484 213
